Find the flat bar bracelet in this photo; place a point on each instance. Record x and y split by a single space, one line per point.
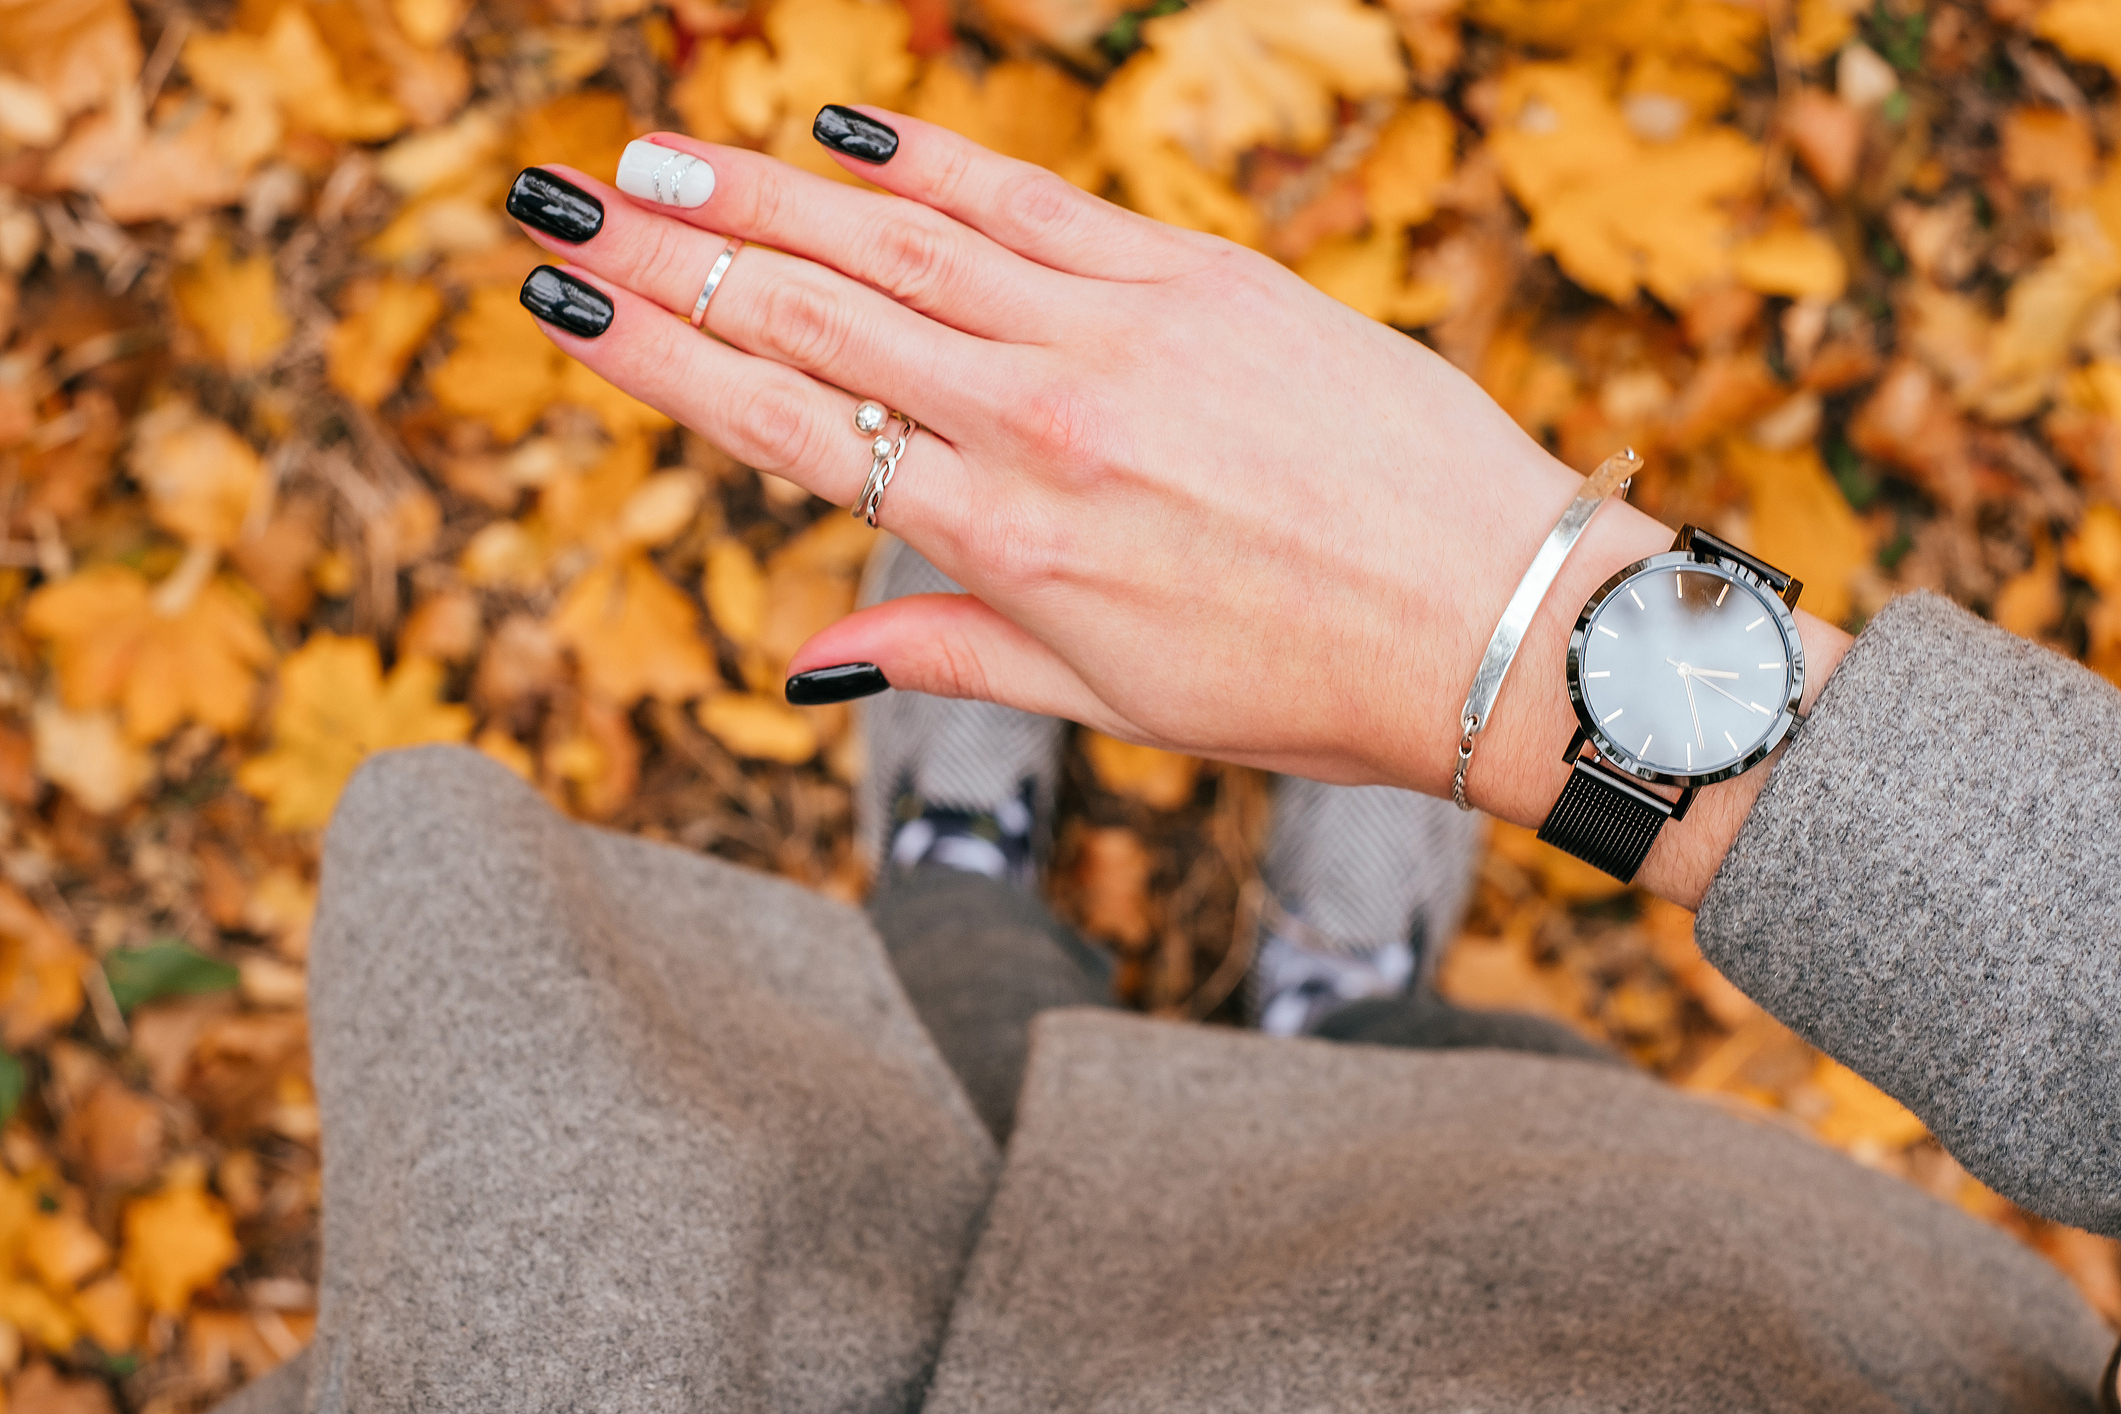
1611 478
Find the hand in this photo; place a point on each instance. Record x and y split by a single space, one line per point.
1196 502
1686 677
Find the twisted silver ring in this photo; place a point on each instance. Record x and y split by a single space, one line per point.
884 454
714 281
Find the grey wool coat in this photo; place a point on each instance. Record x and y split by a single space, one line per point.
610 1126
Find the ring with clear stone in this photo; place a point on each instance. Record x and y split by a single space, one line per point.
884 454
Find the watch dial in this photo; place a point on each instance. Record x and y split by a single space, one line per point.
1685 669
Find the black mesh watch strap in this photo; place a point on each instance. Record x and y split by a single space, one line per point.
1605 821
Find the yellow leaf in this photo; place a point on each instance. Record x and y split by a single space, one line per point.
289 68
1157 176
76 54
1369 273
89 755
35 1312
1161 780
2042 315
234 305
502 371
1862 1114
387 320
753 725
201 478
2094 551
1411 161
109 1310
620 413
1568 155
586 129
62 1249
1823 26
176 1242
1229 75
429 23
2084 29
1791 261
113 647
1034 112
2030 601
508 751
633 633
335 708
1802 523
735 590
1562 876
1713 31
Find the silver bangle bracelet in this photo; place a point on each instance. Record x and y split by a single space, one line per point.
1611 478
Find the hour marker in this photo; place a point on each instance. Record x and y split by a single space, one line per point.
1611 715
1690 756
1637 598
1771 665
1727 737
1719 597
1756 623
1607 632
1598 675
1760 709
1646 744
1678 589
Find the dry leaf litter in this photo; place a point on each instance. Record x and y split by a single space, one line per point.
287 477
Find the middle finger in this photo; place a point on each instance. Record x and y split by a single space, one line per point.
790 310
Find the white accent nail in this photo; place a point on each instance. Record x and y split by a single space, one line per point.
664 175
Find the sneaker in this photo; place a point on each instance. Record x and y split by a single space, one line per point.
962 785
1360 883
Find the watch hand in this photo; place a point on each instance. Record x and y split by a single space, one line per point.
1698 672
1686 676
1750 707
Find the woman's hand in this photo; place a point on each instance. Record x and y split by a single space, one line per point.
1196 502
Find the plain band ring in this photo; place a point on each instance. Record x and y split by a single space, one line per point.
714 281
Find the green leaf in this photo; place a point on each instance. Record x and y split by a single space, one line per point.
164 969
13 1081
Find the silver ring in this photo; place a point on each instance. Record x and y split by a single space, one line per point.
714 280
884 453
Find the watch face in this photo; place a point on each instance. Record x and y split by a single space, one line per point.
1685 672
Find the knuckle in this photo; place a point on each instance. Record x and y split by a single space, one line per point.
768 195
914 260
946 179
1037 203
1021 550
1063 425
958 670
801 324
667 256
772 426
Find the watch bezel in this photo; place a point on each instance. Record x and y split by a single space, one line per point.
1618 756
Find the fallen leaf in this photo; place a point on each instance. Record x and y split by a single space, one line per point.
1861 1113
77 54
735 590
387 319
335 708
1112 876
2048 147
40 974
164 969
502 371
110 1312
176 1242
1793 262
288 73
633 634
1802 524
234 305
114 645
1410 164
1033 112
1370 274
202 479
2083 29
758 727
89 756
1161 780
115 1135
40 1389
1827 135
63 1250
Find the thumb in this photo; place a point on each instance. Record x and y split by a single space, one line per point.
950 645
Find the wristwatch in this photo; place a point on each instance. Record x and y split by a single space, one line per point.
1684 669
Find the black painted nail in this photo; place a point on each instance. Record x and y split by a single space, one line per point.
555 206
856 134
559 298
843 683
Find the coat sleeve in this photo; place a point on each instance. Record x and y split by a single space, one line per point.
1929 890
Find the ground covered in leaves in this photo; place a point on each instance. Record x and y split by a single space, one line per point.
287 477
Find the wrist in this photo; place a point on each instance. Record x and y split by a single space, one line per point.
1518 769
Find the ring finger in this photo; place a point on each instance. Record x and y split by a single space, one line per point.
790 310
765 414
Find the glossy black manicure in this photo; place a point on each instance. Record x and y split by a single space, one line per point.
555 206
842 683
859 136
559 298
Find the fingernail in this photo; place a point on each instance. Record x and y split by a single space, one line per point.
555 206
842 683
557 297
664 175
856 134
